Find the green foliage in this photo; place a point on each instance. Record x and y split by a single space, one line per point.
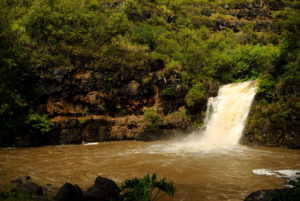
168 92
272 123
151 116
177 118
275 112
266 85
289 82
147 79
195 94
146 34
242 62
85 111
131 10
12 118
39 122
82 120
146 189
10 101
39 38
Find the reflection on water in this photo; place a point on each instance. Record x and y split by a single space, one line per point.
221 174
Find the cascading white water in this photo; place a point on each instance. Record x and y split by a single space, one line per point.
227 113
225 119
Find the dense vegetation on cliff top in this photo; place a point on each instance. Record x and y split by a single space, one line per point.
200 40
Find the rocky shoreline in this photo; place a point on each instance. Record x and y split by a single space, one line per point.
105 189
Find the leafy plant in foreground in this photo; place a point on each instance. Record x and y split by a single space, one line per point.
146 189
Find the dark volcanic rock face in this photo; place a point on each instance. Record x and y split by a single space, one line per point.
99 104
94 104
93 92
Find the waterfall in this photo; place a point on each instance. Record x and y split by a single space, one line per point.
225 119
227 113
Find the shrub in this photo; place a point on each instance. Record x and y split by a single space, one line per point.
265 86
177 117
195 94
39 122
132 11
290 81
147 34
151 116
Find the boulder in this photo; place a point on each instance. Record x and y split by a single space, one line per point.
69 192
28 188
264 195
104 189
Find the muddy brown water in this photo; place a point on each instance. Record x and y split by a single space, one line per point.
199 175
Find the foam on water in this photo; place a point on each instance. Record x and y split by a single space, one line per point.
277 173
90 143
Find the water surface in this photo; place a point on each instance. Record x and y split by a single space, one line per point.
203 174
